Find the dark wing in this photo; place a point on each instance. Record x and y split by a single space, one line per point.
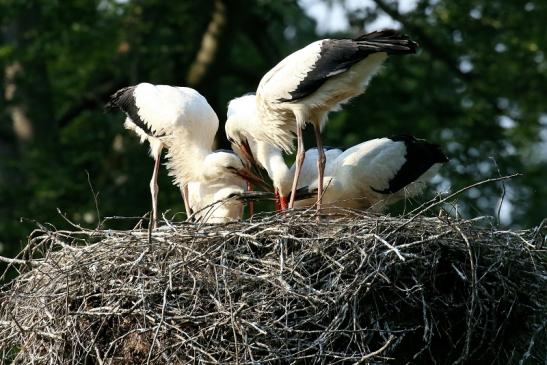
124 99
252 195
338 55
304 193
420 156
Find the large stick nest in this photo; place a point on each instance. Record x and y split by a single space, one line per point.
281 289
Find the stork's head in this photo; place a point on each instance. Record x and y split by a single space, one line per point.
241 121
227 167
212 202
219 166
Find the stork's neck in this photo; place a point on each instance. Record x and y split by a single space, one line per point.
271 158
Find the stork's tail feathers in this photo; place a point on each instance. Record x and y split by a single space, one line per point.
389 41
425 150
304 192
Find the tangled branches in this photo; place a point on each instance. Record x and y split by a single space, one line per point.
280 289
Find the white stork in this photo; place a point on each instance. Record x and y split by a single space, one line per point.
309 83
373 174
164 116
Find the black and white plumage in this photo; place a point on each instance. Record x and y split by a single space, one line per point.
375 173
166 116
309 83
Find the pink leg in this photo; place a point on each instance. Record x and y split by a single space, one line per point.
320 166
300 155
154 191
184 192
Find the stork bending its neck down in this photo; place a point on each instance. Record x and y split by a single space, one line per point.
372 174
163 115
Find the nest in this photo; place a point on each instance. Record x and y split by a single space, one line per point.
357 288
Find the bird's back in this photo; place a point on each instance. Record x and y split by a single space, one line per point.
380 171
158 110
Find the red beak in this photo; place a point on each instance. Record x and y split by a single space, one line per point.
277 201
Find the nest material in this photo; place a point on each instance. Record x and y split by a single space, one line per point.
281 289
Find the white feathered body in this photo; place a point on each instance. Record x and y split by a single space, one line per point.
182 120
354 178
214 202
279 120
170 113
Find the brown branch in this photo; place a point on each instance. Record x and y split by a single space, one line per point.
209 45
21 123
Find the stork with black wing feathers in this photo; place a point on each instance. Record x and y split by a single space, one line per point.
309 83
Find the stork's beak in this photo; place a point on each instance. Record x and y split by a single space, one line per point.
276 200
247 154
252 178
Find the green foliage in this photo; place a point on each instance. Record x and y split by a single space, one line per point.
476 87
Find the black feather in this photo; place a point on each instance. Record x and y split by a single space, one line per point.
420 156
124 99
338 55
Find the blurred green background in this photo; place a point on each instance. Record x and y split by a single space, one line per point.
477 87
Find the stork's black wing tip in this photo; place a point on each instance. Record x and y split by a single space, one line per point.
429 150
393 40
385 191
119 98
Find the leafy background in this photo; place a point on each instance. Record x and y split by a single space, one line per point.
477 87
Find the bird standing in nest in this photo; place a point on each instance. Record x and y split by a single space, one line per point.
309 83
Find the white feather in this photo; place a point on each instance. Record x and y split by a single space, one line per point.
278 120
210 197
350 177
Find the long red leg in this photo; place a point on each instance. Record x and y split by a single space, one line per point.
320 166
300 155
